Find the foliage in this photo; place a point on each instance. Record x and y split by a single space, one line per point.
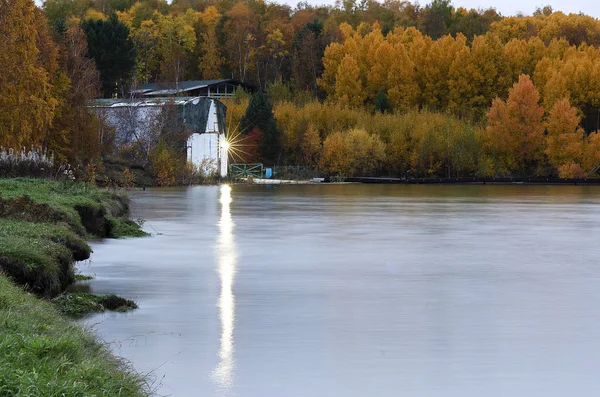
354 152
206 172
515 131
565 140
163 160
382 104
110 46
27 104
425 60
259 116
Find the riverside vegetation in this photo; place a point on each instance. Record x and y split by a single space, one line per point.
43 229
397 88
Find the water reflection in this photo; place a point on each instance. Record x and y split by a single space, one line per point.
226 259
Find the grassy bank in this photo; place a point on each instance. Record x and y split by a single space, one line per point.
44 225
44 354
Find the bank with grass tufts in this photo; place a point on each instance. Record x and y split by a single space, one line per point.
44 226
42 353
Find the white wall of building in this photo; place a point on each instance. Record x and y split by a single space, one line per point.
206 148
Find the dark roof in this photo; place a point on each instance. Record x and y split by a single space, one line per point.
182 86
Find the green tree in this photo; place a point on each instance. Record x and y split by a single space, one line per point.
382 104
110 46
437 18
259 116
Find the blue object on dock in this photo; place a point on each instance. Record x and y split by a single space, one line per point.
268 173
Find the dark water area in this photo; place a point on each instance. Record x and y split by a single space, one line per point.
359 290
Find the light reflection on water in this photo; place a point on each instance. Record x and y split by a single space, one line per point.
226 259
354 290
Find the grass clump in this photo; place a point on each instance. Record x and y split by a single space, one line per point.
44 354
81 303
123 227
40 255
83 277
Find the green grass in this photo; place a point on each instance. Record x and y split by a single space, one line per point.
81 303
83 277
43 224
40 255
44 354
84 207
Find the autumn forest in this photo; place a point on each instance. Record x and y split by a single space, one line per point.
361 88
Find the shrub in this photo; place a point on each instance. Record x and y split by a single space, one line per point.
352 153
36 162
164 164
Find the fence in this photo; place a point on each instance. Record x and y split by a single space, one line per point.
293 172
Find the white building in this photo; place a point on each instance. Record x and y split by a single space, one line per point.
140 120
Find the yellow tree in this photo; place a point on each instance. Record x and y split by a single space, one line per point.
334 159
332 58
433 61
146 39
211 59
311 145
242 31
478 76
402 89
177 42
383 59
515 131
565 139
555 90
516 53
26 103
349 90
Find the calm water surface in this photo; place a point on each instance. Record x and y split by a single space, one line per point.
358 290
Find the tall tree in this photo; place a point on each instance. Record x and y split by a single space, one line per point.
515 131
211 59
437 18
349 90
110 46
259 117
177 44
27 104
565 140
83 133
241 30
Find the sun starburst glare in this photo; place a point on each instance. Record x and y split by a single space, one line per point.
235 142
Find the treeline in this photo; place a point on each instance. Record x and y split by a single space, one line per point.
261 42
519 138
425 70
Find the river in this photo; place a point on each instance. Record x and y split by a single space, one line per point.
359 290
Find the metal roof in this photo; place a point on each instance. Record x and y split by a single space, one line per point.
182 86
121 102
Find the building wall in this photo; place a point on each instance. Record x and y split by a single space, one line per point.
205 149
203 117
